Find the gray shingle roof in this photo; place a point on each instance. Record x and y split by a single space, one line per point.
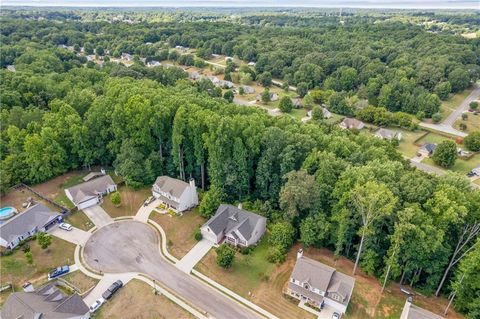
229 218
386 133
91 175
46 302
92 188
414 312
37 215
170 185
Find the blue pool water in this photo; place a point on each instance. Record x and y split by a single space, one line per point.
7 212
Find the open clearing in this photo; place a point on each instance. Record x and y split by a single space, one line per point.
131 201
180 230
137 300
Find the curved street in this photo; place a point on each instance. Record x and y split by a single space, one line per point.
132 246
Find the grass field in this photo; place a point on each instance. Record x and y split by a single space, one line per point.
461 166
80 220
137 300
80 280
180 230
472 122
15 269
131 201
407 145
448 106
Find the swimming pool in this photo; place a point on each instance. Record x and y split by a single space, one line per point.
7 212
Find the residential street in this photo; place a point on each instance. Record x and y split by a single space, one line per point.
131 246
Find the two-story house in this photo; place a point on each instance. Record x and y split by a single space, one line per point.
175 194
319 285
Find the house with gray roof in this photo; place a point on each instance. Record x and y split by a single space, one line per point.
175 193
248 89
319 285
351 123
427 149
47 302
91 192
410 311
235 226
387 134
37 218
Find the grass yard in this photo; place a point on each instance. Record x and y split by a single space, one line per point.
131 201
407 145
461 165
80 220
472 122
435 138
137 300
448 106
81 281
15 269
257 280
180 230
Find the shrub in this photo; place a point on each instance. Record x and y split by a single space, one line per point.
116 198
445 154
317 113
276 254
44 240
210 201
462 127
29 257
245 250
464 116
437 117
286 104
472 141
198 235
26 248
473 105
225 256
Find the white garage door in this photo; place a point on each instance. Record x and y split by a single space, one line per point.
88 203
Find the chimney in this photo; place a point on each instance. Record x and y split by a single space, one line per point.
240 205
299 253
103 171
28 287
192 183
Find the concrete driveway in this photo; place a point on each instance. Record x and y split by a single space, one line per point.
195 254
131 246
75 236
144 211
98 216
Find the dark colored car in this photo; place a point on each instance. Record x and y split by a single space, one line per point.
112 289
57 272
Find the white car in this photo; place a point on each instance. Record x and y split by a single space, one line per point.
336 315
66 226
96 305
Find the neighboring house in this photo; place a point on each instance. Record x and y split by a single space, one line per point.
251 63
273 97
193 75
326 113
228 58
92 175
235 225
248 89
351 123
427 149
37 218
152 64
127 57
226 84
410 311
176 194
386 134
90 193
11 68
476 170
297 103
44 303
318 284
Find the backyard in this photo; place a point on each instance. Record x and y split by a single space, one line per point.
180 230
407 144
131 201
137 300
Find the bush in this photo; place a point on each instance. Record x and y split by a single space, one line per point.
464 116
44 240
116 198
29 257
276 254
286 104
225 256
198 235
245 250
317 113
26 248
445 154
472 141
437 117
462 127
473 105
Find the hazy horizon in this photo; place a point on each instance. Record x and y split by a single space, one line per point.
397 4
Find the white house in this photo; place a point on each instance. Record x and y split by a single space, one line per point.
175 194
236 226
91 193
37 218
320 285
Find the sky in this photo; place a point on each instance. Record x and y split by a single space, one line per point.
404 4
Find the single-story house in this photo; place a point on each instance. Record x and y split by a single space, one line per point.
235 225
410 311
387 134
46 302
127 57
326 113
152 64
351 123
318 284
175 194
251 63
228 58
476 170
297 102
11 68
37 218
427 149
90 193
248 89
273 97
193 75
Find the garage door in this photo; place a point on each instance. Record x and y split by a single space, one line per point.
88 203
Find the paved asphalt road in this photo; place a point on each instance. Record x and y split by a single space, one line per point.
131 246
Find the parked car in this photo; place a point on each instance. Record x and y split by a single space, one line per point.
470 174
66 226
112 289
336 315
57 272
96 305
148 201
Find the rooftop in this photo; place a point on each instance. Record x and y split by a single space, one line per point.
90 189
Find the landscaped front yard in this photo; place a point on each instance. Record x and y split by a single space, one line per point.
137 300
132 200
15 269
180 230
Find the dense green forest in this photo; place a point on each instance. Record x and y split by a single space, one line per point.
326 187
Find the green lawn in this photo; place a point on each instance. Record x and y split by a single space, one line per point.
63 200
131 201
80 220
472 122
461 166
407 145
72 181
448 106
435 138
